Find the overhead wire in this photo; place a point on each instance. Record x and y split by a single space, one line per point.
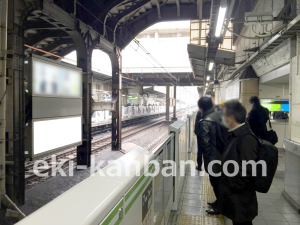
135 41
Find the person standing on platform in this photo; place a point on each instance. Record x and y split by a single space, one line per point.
258 118
237 196
199 153
211 142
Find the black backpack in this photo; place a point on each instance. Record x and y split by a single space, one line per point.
269 153
271 135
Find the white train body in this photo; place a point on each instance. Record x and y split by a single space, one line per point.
134 111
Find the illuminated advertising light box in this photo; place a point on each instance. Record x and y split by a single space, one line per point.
276 105
272 107
54 109
285 107
48 137
53 80
133 98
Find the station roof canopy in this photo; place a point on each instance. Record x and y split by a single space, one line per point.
117 22
101 76
152 91
162 79
197 56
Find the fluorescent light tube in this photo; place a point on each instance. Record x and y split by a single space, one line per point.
208 78
221 17
211 64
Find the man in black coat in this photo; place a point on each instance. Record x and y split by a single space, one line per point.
258 118
237 199
199 154
208 142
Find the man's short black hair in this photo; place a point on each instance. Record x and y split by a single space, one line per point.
237 110
254 99
205 103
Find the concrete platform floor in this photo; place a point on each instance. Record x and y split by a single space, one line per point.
273 209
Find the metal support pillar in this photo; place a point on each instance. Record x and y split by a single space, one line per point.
167 103
217 92
3 51
15 106
174 105
84 48
84 150
116 122
293 87
249 87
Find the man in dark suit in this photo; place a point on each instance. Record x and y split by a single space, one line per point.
237 196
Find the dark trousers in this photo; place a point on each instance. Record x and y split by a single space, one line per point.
199 155
215 184
245 223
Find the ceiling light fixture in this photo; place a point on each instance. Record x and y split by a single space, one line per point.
221 17
211 64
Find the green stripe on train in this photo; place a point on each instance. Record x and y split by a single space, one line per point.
113 214
137 195
127 196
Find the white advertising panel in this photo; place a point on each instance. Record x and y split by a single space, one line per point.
56 81
233 91
55 133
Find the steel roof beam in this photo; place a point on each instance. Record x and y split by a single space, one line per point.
156 75
285 7
158 9
39 25
65 51
133 27
54 12
42 35
287 32
187 83
54 45
114 19
178 8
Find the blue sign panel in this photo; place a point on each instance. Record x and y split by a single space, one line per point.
285 107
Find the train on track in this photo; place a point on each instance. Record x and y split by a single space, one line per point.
133 111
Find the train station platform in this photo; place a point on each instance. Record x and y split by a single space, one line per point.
193 195
196 193
273 207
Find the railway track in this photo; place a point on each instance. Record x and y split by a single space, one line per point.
71 155
97 145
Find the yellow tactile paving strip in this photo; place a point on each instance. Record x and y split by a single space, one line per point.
207 196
